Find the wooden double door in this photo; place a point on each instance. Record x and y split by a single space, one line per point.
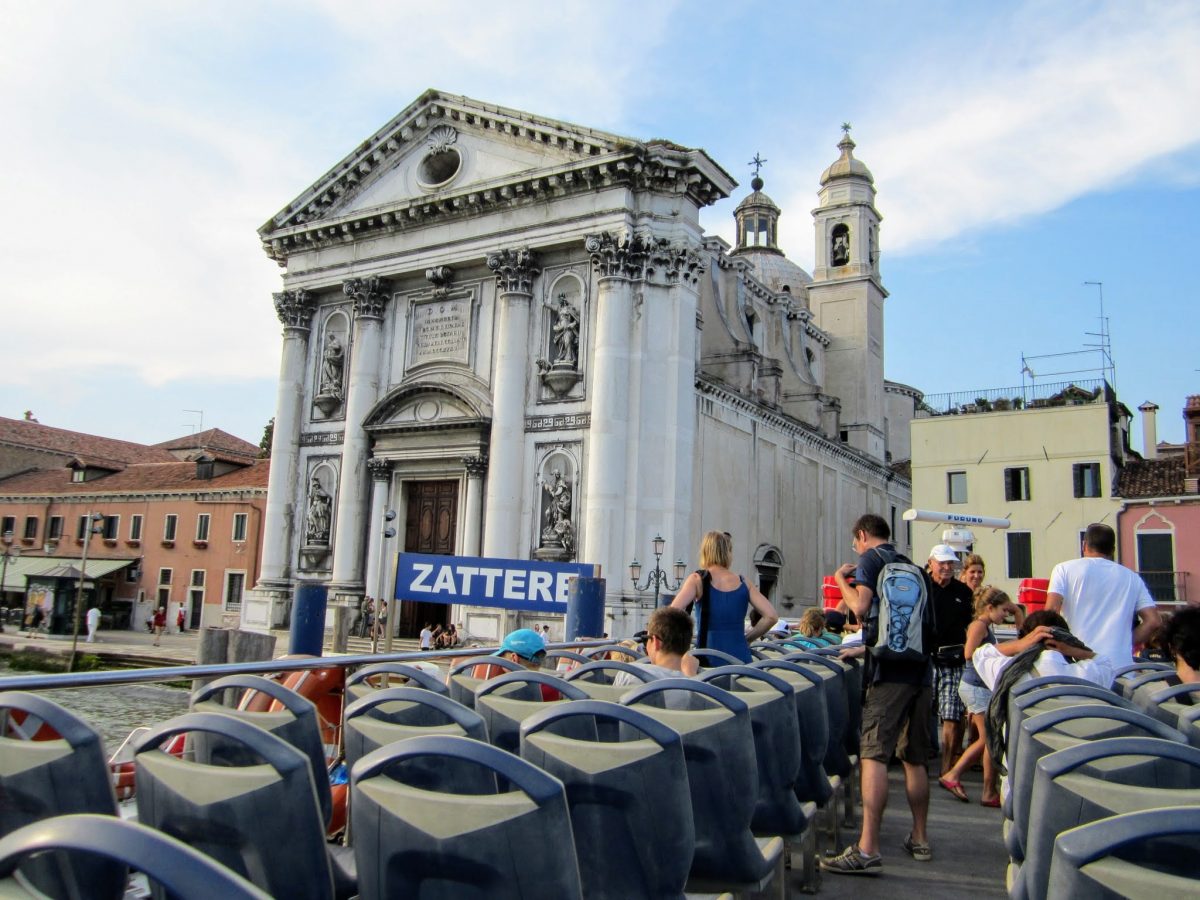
430 526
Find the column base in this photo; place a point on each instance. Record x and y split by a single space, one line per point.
266 607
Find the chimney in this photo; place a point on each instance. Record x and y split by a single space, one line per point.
1149 430
1191 436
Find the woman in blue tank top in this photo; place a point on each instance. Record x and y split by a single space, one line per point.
729 597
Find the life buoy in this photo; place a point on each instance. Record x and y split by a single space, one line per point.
123 773
18 728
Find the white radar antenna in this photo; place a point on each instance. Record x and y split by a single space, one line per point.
959 535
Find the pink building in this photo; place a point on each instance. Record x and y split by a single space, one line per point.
1159 522
179 523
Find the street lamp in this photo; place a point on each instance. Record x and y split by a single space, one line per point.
94 525
389 532
656 577
10 552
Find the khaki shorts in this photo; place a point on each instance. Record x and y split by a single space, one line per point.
895 719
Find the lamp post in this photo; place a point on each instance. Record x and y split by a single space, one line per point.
389 532
93 526
656 577
10 552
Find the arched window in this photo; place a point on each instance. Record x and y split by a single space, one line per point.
839 245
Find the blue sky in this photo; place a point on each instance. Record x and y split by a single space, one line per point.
1019 150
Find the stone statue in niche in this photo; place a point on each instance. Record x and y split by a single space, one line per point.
558 535
318 515
840 255
333 360
562 372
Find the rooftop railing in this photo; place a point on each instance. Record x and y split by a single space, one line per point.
1026 396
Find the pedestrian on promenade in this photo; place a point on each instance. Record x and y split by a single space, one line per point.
427 636
93 623
953 610
160 624
895 715
179 620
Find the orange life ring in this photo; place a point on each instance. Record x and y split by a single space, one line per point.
124 774
16 727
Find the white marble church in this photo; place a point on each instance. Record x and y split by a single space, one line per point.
513 332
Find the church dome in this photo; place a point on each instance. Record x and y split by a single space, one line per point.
776 271
846 166
757 219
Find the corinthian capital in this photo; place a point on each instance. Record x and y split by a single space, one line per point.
295 309
515 270
677 262
380 469
369 294
618 256
476 466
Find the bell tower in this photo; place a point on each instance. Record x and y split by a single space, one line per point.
846 297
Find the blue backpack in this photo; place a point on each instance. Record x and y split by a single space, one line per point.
900 612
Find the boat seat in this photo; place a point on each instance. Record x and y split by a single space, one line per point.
296 721
812 716
837 760
596 678
768 650
260 819
1099 779
1126 674
467 674
1175 705
414 711
1148 681
563 661
1150 854
174 867
442 845
718 746
505 702
708 657
631 811
52 764
1058 729
361 683
606 651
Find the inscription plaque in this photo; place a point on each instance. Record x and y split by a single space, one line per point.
440 331
565 422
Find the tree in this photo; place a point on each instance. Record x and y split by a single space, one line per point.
264 446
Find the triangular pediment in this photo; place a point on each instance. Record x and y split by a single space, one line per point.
440 143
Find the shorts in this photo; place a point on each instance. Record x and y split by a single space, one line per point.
949 704
895 719
974 697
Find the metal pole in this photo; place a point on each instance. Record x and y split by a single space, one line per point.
87 540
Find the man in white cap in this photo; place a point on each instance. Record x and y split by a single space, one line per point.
953 610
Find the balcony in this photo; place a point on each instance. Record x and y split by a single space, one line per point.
1166 587
1028 396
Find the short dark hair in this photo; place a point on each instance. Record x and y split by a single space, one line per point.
871 525
1043 617
1101 538
673 627
1182 637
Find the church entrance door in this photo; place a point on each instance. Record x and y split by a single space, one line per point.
429 527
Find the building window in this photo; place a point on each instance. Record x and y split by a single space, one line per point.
239 526
54 531
1087 479
956 487
1016 483
31 527
164 576
135 527
78 476
235 583
112 527
169 527
164 597
202 521
197 578
81 528
1156 564
1020 554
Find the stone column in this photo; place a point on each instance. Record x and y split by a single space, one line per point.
473 525
515 271
620 263
295 310
370 296
378 568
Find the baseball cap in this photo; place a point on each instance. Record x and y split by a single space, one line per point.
525 642
943 553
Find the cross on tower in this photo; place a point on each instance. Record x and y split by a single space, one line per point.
846 128
758 162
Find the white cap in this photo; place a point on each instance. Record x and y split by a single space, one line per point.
943 553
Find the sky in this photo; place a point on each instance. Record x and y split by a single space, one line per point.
1019 150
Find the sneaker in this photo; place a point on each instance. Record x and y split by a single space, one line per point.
853 861
919 852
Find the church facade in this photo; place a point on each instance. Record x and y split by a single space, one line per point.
513 333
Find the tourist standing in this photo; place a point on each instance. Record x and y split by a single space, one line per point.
953 610
1102 599
159 624
93 623
427 636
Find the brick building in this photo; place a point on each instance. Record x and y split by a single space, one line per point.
180 523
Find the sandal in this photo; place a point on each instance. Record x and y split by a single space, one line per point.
956 788
994 803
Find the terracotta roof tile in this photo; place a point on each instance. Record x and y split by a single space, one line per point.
26 434
213 439
1152 478
138 478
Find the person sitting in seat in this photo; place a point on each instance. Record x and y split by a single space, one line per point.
668 640
524 646
1182 639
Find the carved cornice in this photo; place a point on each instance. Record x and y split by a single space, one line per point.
295 309
380 469
476 466
515 270
370 295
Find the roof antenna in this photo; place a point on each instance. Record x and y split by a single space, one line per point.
200 413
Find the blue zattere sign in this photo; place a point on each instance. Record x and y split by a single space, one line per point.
520 584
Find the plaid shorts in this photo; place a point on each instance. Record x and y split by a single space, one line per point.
949 703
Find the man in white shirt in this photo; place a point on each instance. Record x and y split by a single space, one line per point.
426 637
1102 599
668 640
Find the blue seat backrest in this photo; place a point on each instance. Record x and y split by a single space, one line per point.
398 674
718 745
238 814
1051 696
54 765
837 760
631 810
410 842
506 701
298 724
812 716
465 675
